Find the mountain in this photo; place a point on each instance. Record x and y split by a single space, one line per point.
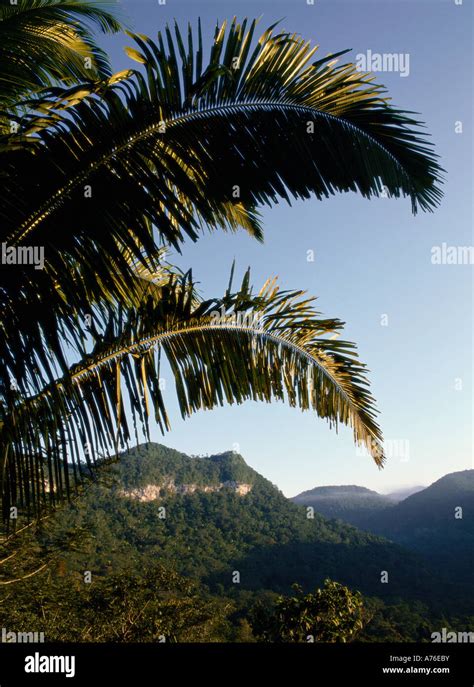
162 544
355 505
436 522
432 510
216 520
403 493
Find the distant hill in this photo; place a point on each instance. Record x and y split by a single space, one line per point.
436 522
432 510
211 517
355 505
403 493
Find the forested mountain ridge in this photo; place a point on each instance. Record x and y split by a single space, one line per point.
212 531
353 504
196 558
436 522
153 463
447 505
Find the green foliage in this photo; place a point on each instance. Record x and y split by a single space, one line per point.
173 576
154 463
166 168
355 505
436 522
264 346
206 535
156 605
331 614
400 622
50 41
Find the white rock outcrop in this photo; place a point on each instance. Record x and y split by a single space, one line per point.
152 492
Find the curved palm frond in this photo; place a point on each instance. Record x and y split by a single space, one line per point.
180 145
229 105
265 346
45 41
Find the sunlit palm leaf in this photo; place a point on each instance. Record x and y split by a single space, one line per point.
272 345
46 41
183 145
101 174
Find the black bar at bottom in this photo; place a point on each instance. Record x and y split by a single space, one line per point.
105 664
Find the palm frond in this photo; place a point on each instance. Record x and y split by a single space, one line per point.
181 145
46 41
242 346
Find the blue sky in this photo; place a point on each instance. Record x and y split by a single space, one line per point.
372 258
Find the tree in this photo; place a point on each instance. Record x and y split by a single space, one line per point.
156 605
331 614
103 173
46 42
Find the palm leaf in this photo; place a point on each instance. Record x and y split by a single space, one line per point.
45 41
163 152
243 346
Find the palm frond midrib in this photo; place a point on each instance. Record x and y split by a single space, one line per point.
144 345
60 195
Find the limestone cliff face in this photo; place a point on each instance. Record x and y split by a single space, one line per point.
153 492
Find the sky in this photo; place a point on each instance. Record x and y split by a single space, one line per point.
372 268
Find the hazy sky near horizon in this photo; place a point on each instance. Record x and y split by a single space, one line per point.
372 258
